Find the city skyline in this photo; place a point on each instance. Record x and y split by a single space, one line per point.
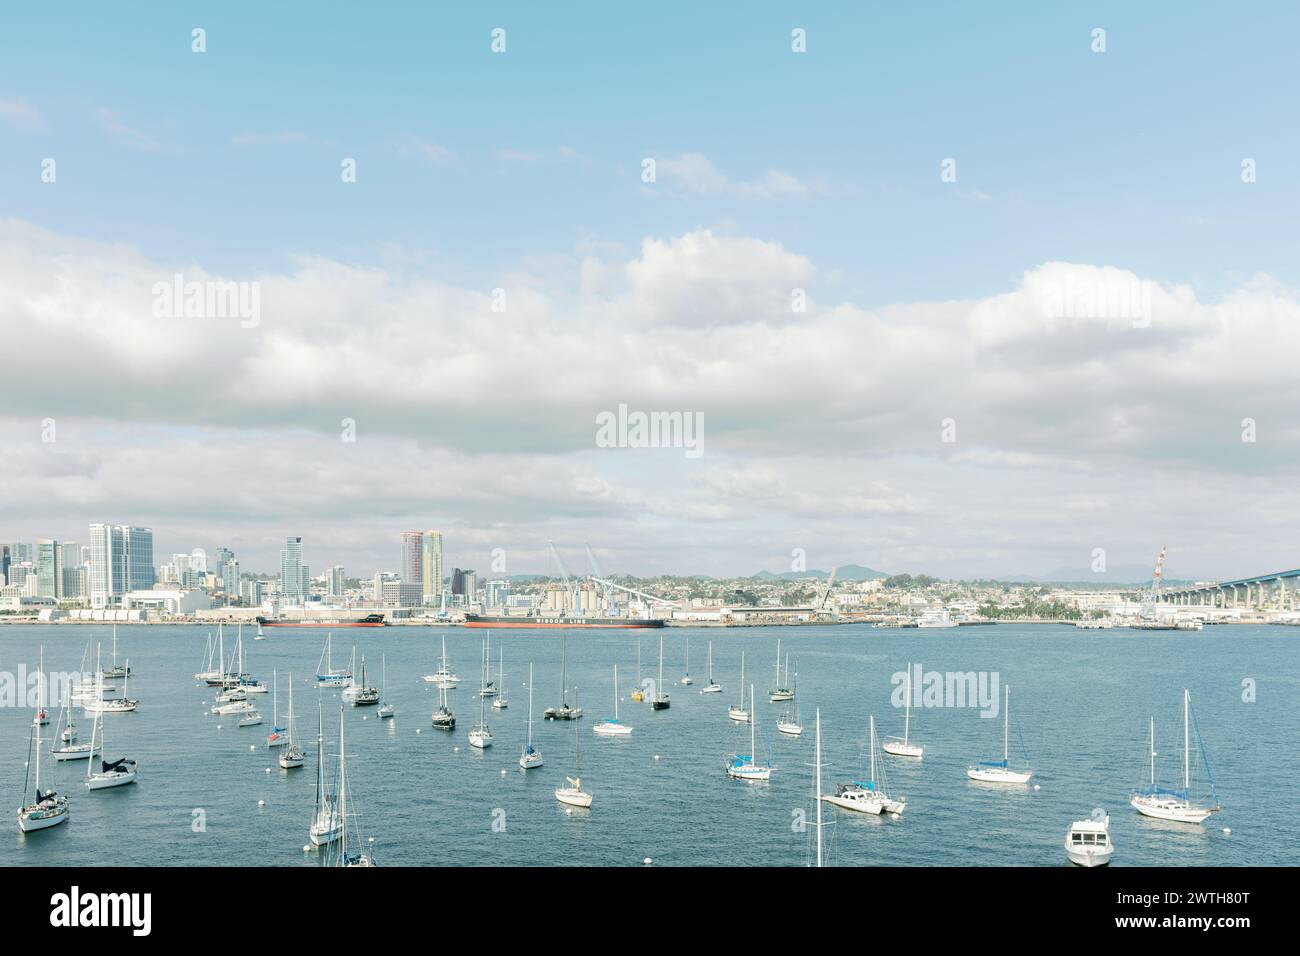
903 343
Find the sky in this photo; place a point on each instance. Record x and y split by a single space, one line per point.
1049 289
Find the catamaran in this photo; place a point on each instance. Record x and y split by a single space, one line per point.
686 680
443 676
292 756
870 795
782 689
746 766
573 794
661 701
611 727
564 711
50 808
999 771
737 711
903 747
116 774
386 709
1176 805
328 676
712 687
480 735
326 826
531 757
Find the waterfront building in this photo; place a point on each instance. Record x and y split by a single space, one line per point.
412 564
431 570
335 582
295 578
49 569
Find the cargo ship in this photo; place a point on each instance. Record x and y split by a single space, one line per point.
370 620
540 620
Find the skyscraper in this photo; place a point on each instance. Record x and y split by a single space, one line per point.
412 557
121 560
431 570
335 581
294 579
4 563
49 569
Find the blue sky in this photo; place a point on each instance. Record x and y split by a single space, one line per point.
1128 158
776 170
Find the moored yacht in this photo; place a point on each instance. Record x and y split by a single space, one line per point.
1087 842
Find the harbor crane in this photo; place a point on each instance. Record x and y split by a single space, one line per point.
564 575
648 598
826 592
611 609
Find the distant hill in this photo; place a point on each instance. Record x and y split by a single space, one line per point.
846 572
1133 574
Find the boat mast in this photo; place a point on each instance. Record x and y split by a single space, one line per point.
1153 753
819 786
1006 727
907 705
1187 702
615 693
530 705
753 754
320 759
872 723
710 662
564 671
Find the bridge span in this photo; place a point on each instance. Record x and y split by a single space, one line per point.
1276 591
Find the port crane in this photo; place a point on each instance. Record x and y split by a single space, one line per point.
650 599
564 574
611 608
820 606
1153 596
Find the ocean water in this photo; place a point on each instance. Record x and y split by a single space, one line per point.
1081 701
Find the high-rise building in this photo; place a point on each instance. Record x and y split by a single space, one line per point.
121 560
431 570
199 560
49 569
139 559
228 571
4 563
412 557
295 581
335 581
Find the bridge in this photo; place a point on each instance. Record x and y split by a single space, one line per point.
1264 592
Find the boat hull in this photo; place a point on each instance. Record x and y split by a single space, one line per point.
30 822
105 781
611 729
573 797
74 753
900 749
998 775
521 622
1089 857
1175 811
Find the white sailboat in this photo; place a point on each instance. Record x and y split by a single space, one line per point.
661 701
501 703
42 717
564 711
328 675
712 687
573 794
98 704
338 854
686 680
999 771
292 756
790 724
208 673
65 746
116 774
362 694
531 757
444 677
480 736
817 793
612 728
746 766
326 827
904 747
737 711
781 690
488 687
49 808
116 671
870 795
1175 805
386 709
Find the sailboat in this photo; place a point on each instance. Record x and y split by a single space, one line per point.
292 756
661 701
41 717
65 746
208 675
443 676
781 690
1176 805
488 688
116 774
790 724
612 728
326 827
480 735
638 694
737 711
817 793
870 795
712 687
564 711
746 766
999 771
112 705
904 748
276 738
246 682
328 676
339 855
531 757
362 694
49 808
116 671
501 703
573 794
259 636
443 718
386 709
686 680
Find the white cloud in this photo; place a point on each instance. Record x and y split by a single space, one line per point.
18 112
694 173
